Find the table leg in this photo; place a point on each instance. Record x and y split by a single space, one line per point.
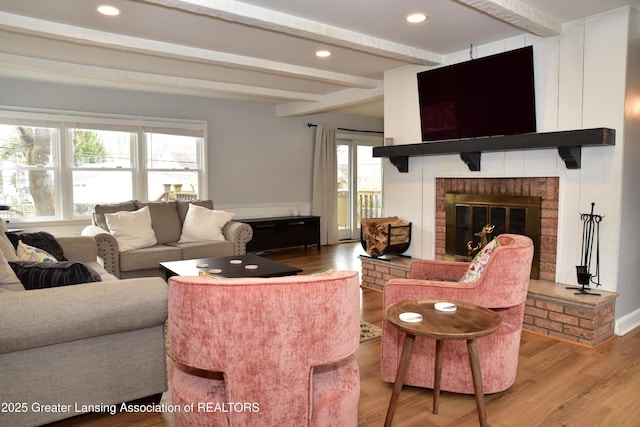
474 360
402 371
437 375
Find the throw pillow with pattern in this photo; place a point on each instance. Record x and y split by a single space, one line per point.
479 262
40 275
29 253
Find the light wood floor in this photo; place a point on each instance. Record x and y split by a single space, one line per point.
558 383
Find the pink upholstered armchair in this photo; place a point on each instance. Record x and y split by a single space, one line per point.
502 286
266 352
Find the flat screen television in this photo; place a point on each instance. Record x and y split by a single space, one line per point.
489 96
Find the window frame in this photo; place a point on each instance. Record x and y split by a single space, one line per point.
62 154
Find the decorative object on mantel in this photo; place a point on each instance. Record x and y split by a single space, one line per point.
590 237
381 236
569 145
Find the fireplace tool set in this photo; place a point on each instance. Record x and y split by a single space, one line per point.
590 239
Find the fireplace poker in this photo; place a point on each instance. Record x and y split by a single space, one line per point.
590 236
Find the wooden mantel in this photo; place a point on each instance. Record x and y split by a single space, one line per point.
568 143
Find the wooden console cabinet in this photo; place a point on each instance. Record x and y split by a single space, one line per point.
283 232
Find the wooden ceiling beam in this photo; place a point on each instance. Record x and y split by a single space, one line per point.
519 15
259 17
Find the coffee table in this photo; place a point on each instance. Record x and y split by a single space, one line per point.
468 322
231 266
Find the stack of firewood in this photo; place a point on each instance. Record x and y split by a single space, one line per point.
378 234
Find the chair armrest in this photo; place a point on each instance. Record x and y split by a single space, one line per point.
406 289
37 318
240 234
441 270
107 248
79 248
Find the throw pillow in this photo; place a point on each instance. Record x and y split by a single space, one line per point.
183 206
39 275
164 220
41 240
132 230
479 262
8 279
29 253
202 224
6 247
100 210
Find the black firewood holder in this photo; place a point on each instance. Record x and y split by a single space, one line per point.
396 249
590 239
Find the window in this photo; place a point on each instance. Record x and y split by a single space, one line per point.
172 162
58 166
102 168
29 157
359 185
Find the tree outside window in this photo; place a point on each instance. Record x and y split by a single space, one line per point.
59 166
27 182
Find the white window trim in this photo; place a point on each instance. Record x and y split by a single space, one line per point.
64 119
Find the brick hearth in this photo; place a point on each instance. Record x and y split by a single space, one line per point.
551 309
376 271
554 310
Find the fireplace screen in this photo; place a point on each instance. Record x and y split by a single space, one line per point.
473 220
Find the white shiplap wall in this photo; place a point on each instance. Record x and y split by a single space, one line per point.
580 83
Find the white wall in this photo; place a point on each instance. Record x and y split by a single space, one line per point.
580 83
628 286
259 164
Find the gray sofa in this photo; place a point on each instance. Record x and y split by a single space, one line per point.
167 219
99 343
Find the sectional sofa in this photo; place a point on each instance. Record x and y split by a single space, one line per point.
65 350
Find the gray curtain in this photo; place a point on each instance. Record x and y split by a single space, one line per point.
325 184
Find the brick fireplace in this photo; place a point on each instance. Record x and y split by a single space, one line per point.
547 188
551 309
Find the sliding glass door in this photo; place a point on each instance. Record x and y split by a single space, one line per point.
359 185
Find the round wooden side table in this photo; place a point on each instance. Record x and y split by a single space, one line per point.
468 322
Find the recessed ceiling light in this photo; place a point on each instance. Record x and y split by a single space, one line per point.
108 10
416 18
323 53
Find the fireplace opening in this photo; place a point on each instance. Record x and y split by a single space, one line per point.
547 188
472 220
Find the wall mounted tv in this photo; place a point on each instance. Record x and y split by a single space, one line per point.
488 96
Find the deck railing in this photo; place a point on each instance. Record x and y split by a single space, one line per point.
369 204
